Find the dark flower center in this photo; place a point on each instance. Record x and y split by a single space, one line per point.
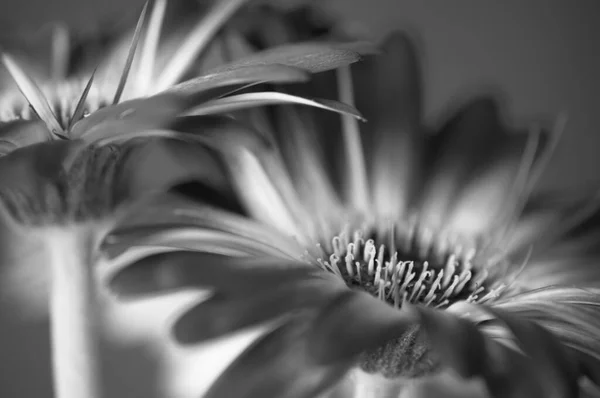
409 265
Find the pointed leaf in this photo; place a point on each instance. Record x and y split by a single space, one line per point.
33 94
131 54
313 57
251 100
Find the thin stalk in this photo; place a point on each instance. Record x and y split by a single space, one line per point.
74 340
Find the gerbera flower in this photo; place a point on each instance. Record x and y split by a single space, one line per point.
65 184
383 259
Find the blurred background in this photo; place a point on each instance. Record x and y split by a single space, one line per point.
543 54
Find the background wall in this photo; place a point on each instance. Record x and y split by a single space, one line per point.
543 53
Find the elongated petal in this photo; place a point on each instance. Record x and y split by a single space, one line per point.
184 269
235 309
284 357
463 148
200 239
313 57
388 90
543 369
175 212
243 75
134 115
250 100
341 332
299 141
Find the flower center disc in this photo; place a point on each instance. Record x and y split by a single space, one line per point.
415 266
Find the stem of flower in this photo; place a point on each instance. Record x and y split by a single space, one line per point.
75 359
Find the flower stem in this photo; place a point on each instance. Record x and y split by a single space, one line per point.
75 354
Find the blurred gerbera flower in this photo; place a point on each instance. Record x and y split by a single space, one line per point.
59 107
384 259
72 164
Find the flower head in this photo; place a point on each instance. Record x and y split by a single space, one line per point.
384 255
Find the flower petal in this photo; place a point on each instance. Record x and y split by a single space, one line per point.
286 368
244 75
251 100
172 211
133 115
388 91
354 323
494 195
230 311
166 272
462 148
543 369
313 57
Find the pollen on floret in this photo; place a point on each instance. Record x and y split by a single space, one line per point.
408 264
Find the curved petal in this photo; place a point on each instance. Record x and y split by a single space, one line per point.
491 197
301 150
133 115
251 100
313 57
230 311
287 368
170 212
354 323
388 91
571 313
239 77
463 148
543 369
166 272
